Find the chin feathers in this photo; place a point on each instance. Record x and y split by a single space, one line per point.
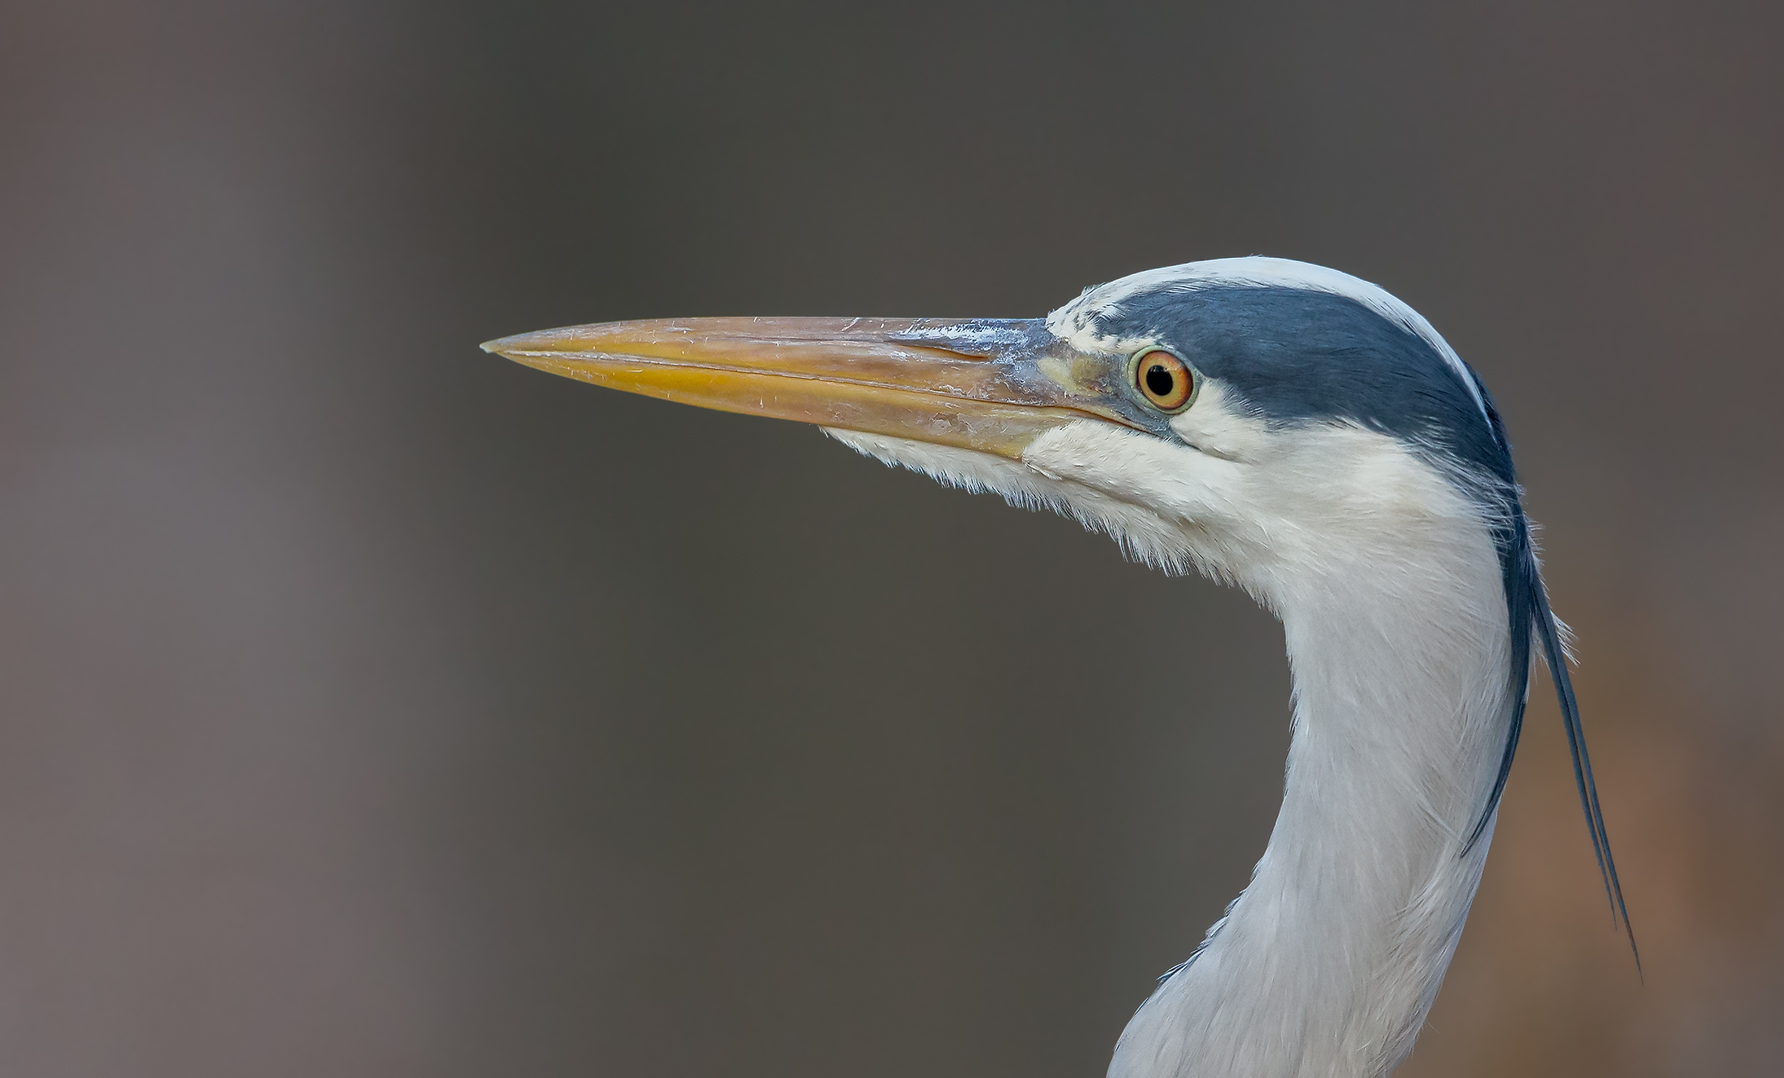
1140 534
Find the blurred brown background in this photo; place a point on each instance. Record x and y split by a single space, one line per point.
370 706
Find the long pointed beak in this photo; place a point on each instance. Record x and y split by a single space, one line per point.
984 384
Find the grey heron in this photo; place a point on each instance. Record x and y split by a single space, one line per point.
1278 426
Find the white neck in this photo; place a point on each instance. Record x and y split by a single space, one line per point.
1328 962
1392 599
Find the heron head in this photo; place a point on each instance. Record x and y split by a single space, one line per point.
1254 417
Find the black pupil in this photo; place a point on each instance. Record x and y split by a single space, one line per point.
1160 380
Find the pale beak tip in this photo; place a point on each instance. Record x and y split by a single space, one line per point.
538 340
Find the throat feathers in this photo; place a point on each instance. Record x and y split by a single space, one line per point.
1326 965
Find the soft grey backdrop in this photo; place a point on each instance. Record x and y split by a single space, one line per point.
370 706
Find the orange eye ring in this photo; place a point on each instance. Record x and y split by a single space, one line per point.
1164 380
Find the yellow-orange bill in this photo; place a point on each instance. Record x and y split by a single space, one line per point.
989 385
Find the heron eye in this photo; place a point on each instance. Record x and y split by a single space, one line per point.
1164 379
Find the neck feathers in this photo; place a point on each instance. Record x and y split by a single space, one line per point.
1408 594
1328 962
